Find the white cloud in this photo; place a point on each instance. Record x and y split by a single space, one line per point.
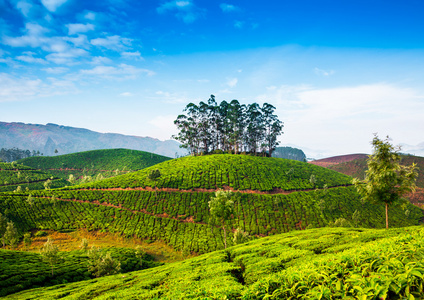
29 58
323 72
346 117
122 72
20 89
238 24
114 42
228 7
90 16
56 70
66 55
126 94
232 82
24 7
52 5
78 28
173 98
101 60
184 10
134 55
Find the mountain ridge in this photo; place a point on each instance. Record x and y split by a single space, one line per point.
67 139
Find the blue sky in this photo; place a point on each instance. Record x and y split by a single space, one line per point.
337 71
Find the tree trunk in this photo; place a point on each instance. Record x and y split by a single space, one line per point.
225 237
387 216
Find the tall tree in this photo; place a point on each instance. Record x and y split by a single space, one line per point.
386 180
272 127
221 209
10 236
255 127
50 253
3 226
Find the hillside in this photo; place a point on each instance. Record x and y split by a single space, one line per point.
335 160
65 139
237 172
327 263
13 175
268 199
108 162
357 167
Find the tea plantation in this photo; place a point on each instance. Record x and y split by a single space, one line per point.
239 172
325 263
109 162
13 175
180 217
21 270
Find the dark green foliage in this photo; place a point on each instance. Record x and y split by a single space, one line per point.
24 270
238 172
180 218
327 263
13 154
229 127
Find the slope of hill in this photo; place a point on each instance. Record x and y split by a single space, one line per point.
265 202
335 160
106 162
323 263
48 138
13 175
237 172
357 168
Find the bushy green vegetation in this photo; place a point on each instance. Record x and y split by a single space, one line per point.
13 175
109 162
24 270
180 218
239 172
327 263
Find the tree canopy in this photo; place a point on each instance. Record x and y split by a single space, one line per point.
230 127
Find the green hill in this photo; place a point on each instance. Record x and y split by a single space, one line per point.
238 172
325 263
108 162
13 175
268 201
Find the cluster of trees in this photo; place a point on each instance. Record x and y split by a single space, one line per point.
230 127
13 154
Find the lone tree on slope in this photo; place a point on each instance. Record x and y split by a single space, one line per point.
386 181
221 209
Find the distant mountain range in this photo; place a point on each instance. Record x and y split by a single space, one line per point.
51 137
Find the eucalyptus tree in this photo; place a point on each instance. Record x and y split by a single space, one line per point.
255 127
273 127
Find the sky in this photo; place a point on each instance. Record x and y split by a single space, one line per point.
336 71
